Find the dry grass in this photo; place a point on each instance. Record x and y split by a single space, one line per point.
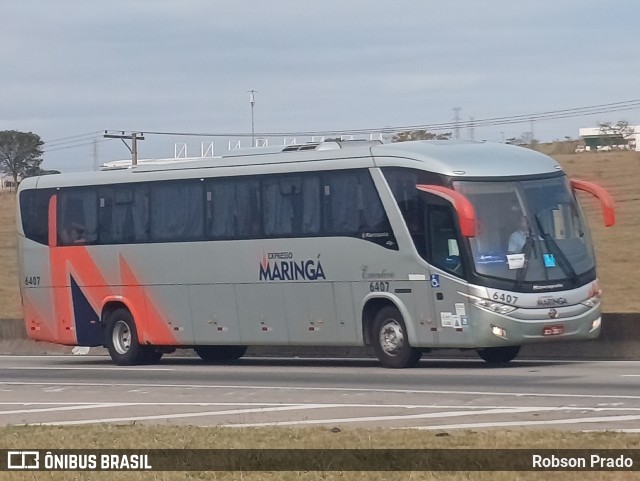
161 437
9 297
616 247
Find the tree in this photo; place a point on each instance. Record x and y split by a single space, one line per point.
616 134
419 135
20 153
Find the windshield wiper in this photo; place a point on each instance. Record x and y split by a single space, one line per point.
554 248
528 244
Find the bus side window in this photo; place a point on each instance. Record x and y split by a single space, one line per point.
291 205
77 217
443 248
233 208
124 214
177 211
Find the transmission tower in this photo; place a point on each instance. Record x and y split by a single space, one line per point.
456 120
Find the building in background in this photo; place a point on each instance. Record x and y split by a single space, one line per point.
603 139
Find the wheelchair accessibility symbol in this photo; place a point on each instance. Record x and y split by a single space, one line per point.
435 280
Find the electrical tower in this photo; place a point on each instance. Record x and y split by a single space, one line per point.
456 120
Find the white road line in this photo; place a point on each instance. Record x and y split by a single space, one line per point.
325 389
336 405
500 424
187 415
389 418
85 368
323 358
62 408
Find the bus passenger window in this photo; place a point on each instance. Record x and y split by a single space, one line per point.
77 217
177 211
291 205
124 214
233 208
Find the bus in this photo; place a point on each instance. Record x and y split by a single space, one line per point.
405 247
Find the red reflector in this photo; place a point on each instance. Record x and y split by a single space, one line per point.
552 330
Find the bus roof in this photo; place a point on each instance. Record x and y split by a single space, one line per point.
457 159
467 159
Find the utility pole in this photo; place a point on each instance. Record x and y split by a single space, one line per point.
133 137
252 101
471 132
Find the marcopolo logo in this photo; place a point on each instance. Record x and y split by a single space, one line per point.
281 266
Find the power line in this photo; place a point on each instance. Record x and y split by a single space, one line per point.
71 138
490 121
82 144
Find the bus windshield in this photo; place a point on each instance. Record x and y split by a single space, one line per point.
528 231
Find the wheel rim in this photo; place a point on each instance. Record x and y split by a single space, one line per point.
121 337
391 337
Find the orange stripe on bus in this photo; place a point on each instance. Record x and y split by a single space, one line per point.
151 325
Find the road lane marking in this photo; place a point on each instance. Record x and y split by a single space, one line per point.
187 415
62 408
446 414
500 424
325 389
85 368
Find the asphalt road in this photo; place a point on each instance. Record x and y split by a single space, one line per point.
437 395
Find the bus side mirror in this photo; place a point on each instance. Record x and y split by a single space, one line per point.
464 208
606 201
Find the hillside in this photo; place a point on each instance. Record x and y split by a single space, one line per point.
619 172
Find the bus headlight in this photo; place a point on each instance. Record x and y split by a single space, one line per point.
490 305
596 324
591 302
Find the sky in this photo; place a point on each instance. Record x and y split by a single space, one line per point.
72 69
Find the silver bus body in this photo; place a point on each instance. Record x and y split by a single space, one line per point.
333 280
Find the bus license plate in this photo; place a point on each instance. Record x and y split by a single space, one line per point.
552 330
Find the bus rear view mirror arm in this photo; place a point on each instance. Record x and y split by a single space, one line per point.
606 201
462 205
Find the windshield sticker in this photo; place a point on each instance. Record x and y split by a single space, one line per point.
549 260
460 311
446 319
515 261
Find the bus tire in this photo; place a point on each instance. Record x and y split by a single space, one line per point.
220 353
499 355
390 340
122 340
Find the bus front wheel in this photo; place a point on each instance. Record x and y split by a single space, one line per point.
122 341
499 355
390 340
220 353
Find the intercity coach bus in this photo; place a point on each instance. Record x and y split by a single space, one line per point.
405 247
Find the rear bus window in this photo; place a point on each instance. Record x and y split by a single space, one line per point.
34 210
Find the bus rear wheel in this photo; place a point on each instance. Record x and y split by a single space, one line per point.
220 353
390 340
499 355
122 341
